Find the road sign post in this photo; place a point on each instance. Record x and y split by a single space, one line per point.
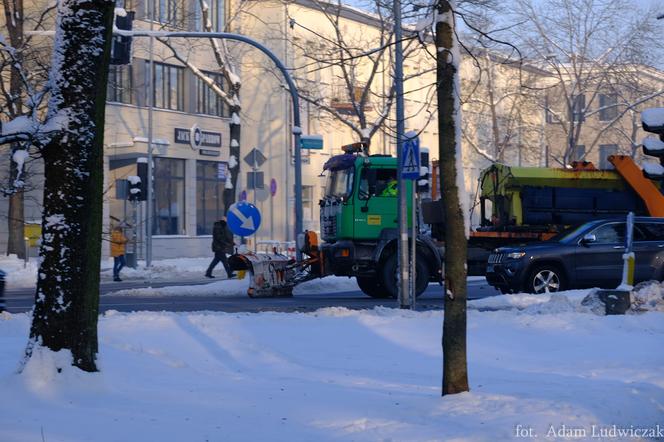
410 171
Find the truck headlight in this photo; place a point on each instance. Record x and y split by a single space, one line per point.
516 255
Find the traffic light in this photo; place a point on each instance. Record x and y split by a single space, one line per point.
653 122
423 180
121 47
138 184
135 189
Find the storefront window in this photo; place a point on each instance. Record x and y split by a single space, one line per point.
209 195
169 197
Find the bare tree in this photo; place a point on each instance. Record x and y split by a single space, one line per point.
23 66
501 109
587 46
356 88
70 139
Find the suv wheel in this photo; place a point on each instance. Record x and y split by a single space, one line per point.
545 279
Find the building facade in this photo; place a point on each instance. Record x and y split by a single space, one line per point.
508 116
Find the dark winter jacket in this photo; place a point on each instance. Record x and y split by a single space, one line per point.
222 238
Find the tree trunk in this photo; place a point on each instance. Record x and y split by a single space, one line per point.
234 159
455 372
15 218
67 297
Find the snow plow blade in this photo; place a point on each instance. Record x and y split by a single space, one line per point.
274 274
269 273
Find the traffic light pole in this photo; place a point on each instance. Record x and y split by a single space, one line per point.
296 130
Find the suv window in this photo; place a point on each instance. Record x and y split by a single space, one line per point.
610 233
615 233
653 231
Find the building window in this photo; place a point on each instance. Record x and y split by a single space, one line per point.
210 181
548 115
608 109
579 152
170 12
120 85
605 151
578 107
168 86
208 102
168 197
216 16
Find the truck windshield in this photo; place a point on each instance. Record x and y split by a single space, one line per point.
340 183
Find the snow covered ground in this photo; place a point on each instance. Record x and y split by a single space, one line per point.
541 366
20 274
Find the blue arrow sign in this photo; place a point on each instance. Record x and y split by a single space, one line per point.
243 218
410 162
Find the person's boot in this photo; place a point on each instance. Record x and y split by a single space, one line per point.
209 275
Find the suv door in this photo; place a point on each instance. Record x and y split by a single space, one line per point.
649 251
599 263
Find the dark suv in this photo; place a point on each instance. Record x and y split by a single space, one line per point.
587 256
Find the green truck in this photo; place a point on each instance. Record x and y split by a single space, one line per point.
358 223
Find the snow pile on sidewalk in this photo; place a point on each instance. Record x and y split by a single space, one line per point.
163 270
18 272
648 296
568 301
336 374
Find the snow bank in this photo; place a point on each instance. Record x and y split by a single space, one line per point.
569 300
648 296
165 269
19 274
335 374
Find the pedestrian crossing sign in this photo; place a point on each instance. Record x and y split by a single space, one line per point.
410 159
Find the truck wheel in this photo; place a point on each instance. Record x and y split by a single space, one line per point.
372 287
389 278
545 279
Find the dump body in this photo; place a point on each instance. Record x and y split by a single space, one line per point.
543 199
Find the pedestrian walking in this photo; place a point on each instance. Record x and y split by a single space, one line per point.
118 245
222 244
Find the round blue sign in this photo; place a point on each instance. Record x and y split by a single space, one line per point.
243 218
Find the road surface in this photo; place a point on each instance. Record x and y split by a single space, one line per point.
21 300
